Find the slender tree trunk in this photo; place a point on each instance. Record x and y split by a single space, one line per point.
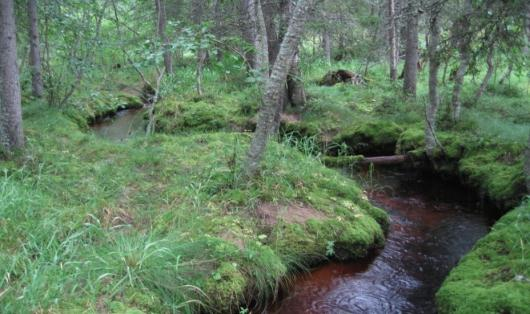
489 73
507 74
434 98
260 38
248 30
461 31
526 48
411 50
161 26
11 132
275 86
527 166
37 86
392 40
326 41
197 12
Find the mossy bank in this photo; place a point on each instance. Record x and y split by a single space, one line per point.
495 276
164 223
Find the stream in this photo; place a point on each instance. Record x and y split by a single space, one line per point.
433 224
122 125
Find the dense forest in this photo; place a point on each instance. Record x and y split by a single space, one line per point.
264 156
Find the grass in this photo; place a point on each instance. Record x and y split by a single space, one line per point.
161 224
165 223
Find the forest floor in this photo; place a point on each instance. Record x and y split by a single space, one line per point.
165 223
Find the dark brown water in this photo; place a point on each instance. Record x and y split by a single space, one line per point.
432 226
121 126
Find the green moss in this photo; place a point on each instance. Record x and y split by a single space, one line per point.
204 114
225 287
370 138
411 139
495 276
162 222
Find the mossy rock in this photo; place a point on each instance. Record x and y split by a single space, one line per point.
495 276
371 138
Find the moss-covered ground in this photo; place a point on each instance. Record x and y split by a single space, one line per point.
165 224
495 276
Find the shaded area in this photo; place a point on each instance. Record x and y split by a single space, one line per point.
433 226
122 125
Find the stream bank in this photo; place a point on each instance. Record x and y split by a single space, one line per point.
433 224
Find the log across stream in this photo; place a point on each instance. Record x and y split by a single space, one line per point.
433 224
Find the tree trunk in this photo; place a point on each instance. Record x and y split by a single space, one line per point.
411 50
488 75
527 166
326 45
295 86
248 30
197 13
434 99
392 40
275 86
37 86
11 134
259 37
526 48
161 26
463 41
507 74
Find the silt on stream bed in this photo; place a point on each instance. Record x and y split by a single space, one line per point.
433 225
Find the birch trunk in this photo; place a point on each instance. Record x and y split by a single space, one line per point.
464 56
37 86
161 26
11 134
488 75
326 43
275 86
434 99
197 12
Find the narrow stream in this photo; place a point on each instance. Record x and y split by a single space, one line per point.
432 226
124 124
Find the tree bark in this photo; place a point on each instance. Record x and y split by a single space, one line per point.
507 74
258 33
326 45
275 86
434 99
489 73
411 50
197 12
11 132
161 27
392 40
527 166
463 41
37 86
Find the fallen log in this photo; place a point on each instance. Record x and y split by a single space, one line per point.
359 160
385 160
